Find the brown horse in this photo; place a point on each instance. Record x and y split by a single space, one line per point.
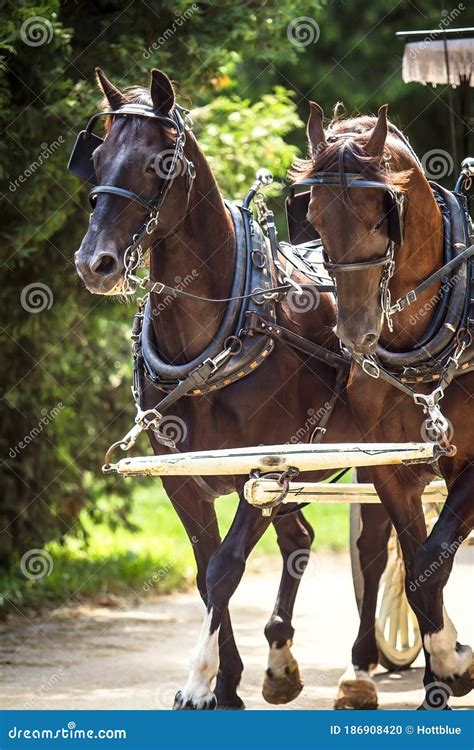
368 256
195 239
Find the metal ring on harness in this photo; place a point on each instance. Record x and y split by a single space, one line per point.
233 344
258 259
283 479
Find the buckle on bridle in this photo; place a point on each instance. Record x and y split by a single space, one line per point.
370 367
403 302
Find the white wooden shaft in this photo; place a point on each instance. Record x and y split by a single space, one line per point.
260 492
274 458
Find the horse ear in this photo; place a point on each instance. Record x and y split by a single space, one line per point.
114 97
162 91
315 130
376 142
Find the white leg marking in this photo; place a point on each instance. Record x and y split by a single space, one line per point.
446 661
203 667
354 673
280 659
356 689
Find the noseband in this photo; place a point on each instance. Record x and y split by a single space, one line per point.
392 204
81 164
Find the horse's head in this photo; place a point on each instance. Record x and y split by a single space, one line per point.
136 157
354 210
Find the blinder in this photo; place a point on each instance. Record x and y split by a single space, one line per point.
391 201
81 161
394 218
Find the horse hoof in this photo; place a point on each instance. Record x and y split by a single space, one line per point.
230 704
184 702
358 694
278 689
459 684
463 684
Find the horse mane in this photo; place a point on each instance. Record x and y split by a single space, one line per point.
353 134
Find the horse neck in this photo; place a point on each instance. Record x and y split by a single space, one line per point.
198 257
420 255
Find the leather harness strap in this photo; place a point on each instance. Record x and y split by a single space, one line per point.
258 324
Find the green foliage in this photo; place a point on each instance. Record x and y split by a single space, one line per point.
153 557
237 135
65 370
357 60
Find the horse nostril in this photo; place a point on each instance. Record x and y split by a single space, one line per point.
370 339
104 265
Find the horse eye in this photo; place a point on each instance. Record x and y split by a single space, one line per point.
378 225
151 166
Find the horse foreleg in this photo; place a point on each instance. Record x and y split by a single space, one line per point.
400 491
295 536
200 522
356 687
224 573
450 663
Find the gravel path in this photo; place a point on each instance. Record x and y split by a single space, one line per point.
118 657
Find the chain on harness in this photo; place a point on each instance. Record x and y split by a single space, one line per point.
436 425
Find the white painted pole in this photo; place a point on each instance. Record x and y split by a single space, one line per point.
259 492
275 458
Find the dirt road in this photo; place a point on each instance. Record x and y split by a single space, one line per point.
92 657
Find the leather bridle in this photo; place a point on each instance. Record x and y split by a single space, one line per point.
393 203
81 165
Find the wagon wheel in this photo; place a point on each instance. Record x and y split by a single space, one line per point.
396 627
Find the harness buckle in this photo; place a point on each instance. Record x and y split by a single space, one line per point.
158 287
403 302
151 224
148 418
370 367
428 401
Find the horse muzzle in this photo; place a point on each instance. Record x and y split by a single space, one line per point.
101 272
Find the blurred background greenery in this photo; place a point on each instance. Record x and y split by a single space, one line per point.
249 84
